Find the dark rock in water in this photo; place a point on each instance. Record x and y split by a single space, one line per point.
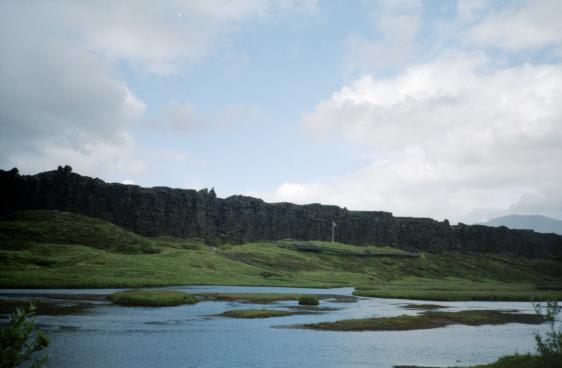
189 213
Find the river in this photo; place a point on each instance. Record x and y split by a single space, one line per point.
193 336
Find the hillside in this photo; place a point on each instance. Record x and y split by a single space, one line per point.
538 223
55 227
182 213
53 249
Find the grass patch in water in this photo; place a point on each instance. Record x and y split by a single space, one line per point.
152 298
264 298
427 320
309 300
424 306
250 297
257 313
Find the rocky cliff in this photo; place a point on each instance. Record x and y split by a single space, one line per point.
189 213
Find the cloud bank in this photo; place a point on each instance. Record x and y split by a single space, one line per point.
449 138
61 97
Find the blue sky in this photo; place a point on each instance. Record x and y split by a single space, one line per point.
277 67
444 109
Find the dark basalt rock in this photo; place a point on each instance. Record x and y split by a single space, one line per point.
189 213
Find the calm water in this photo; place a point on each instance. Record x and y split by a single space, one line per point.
191 336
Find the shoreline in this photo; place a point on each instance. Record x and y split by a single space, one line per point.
97 294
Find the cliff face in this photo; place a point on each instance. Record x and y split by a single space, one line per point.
190 213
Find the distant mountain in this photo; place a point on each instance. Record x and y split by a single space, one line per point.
541 224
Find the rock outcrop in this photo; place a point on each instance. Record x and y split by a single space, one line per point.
188 213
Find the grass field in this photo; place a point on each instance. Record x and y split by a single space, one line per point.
43 249
351 249
457 289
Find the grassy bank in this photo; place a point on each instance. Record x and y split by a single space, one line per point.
257 313
457 289
427 320
512 361
42 249
152 298
515 361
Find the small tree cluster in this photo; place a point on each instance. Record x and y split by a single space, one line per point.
20 339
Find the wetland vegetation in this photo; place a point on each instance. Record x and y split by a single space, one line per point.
258 313
309 300
262 298
152 298
427 320
424 306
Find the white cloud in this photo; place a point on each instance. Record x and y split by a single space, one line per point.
521 25
450 136
127 162
156 37
467 10
98 159
296 193
395 24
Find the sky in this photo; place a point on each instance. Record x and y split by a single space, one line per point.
442 109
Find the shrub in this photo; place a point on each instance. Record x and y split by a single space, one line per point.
20 339
308 300
214 241
550 345
149 249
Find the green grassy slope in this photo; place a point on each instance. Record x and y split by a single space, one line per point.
54 249
55 227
